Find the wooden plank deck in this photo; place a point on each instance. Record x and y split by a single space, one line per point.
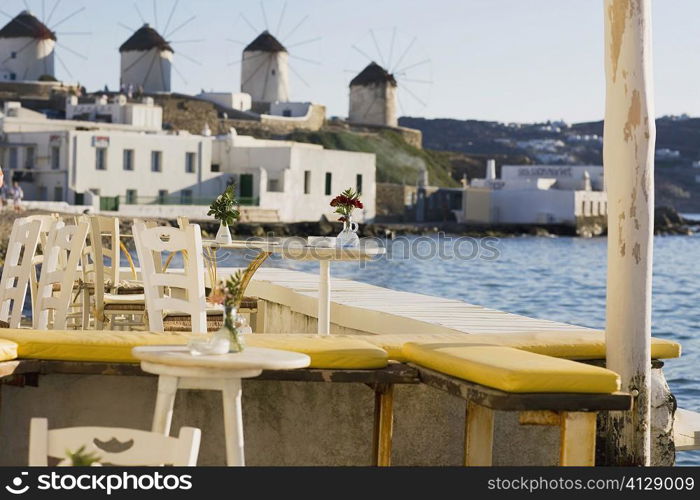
378 310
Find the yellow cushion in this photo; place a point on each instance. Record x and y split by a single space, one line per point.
585 344
105 346
8 349
512 370
325 352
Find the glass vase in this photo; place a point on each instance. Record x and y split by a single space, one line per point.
223 235
230 330
347 238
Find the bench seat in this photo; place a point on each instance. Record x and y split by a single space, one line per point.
512 370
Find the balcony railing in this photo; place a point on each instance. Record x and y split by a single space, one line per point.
178 200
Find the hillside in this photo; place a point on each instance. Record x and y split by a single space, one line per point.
677 148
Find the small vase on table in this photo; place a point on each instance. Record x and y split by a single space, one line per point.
223 235
347 238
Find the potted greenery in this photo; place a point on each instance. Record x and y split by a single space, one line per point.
225 209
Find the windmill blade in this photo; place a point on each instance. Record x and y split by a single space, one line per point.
69 16
69 33
412 94
179 74
138 59
253 73
362 52
180 26
60 60
249 24
43 10
155 15
249 58
311 61
194 40
262 7
82 56
289 35
350 71
122 25
412 80
310 40
138 11
279 23
26 5
170 17
189 58
53 9
405 52
391 48
296 73
376 46
235 41
420 63
21 49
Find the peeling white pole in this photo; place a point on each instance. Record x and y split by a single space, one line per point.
628 156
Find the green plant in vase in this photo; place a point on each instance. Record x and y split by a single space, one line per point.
82 458
225 209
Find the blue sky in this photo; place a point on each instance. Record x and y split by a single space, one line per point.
507 60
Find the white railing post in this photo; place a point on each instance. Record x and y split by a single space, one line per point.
628 156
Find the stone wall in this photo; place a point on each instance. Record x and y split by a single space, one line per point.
391 200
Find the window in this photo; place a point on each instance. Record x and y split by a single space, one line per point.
58 193
273 186
358 183
55 157
307 181
13 55
186 197
13 158
128 159
287 112
101 158
30 157
162 196
189 162
215 167
13 76
43 193
131 196
329 182
156 161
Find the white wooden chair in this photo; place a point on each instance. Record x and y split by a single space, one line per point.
47 224
63 242
17 270
113 445
186 288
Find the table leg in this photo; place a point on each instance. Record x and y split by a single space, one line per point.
324 298
233 422
163 414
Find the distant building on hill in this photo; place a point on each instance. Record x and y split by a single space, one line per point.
265 70
26 49
373 97
535 194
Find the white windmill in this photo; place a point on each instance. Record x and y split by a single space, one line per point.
375 91
147 56
28 46
265 62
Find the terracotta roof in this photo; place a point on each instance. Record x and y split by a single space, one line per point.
265 42
372 75
25 25
145 38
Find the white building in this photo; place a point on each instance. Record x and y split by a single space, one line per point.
234 100
132 164
146 61
26 49
373 97
144 115
535 194
265 69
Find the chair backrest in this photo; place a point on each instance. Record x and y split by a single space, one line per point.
187 288
47 223
102 243
17 269
113 445
62 240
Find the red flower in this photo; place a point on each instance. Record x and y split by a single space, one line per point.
343 219
358 204
334 202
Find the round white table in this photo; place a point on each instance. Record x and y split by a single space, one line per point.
298 251
178 369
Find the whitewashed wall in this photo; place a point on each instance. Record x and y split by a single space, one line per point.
34 58
265 76
151 70
373 105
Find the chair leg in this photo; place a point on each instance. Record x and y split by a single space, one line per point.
233 422
165 401
478 435
577 446
383 424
